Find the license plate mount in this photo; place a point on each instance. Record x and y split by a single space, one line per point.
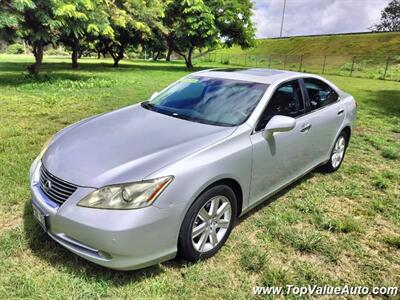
40 216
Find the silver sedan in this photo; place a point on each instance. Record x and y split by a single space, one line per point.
171 175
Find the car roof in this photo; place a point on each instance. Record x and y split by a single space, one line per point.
267 76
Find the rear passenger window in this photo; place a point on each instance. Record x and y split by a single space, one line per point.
319 93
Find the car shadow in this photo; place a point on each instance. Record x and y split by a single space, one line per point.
46 249
278 195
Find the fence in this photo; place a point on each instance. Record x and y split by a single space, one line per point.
378 67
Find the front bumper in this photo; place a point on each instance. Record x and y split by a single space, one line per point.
117 239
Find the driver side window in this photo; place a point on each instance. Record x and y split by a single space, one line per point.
287 100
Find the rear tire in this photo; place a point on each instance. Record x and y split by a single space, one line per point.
208 223
337 154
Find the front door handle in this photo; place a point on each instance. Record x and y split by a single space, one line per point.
306 128
340 112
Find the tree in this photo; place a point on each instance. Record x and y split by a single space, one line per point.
233 21
81 19
33 21
390 18
132 21
201 24
156 44
191 25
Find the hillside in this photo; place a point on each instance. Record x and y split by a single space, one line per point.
372 44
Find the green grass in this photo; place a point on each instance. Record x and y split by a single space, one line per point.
373 44
308 54
335 229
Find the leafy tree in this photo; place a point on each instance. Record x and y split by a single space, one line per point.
191 25
233 21
390 18
81 19
33 21
200 24
156 44
132 21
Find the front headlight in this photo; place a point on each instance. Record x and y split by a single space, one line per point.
127 196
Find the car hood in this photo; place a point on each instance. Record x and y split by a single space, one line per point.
125 145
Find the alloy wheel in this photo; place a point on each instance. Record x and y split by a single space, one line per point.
211 223
338 152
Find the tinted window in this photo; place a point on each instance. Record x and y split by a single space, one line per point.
319 93
287 100
216 101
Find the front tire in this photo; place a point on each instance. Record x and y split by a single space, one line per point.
208 223
337 154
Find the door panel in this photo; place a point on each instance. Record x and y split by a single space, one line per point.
326 113
278 159
326 125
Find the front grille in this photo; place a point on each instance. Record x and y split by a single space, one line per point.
55 188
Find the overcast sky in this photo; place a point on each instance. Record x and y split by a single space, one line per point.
303 17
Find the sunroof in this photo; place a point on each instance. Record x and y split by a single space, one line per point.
256 72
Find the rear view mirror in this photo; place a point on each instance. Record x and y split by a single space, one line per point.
154 95
279 124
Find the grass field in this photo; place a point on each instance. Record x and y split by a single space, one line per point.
361 55
373 44
336 229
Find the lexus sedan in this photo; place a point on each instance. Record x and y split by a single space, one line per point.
171 175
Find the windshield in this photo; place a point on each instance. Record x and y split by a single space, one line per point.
215 101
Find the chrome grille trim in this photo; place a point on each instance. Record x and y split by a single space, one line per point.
59 190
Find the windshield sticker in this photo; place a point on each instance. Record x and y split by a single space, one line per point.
190 80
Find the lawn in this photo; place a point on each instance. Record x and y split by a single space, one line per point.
371 44
365 54
342 228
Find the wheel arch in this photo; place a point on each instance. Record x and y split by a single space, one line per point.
236 188
347 130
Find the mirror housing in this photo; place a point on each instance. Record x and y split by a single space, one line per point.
154 95
279 123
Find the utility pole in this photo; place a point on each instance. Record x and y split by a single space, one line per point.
283 17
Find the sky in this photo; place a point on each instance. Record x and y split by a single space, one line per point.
304 17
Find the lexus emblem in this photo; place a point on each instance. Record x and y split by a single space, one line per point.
47 185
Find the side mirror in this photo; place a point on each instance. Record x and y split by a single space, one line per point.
154 95
279 124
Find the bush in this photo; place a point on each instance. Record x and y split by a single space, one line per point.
15 49
56 52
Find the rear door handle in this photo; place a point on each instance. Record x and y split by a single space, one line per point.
306 128
340 112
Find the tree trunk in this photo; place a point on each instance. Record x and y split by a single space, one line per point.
168 58
75 53
98 54
116 57
157 55
188 59
38 48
